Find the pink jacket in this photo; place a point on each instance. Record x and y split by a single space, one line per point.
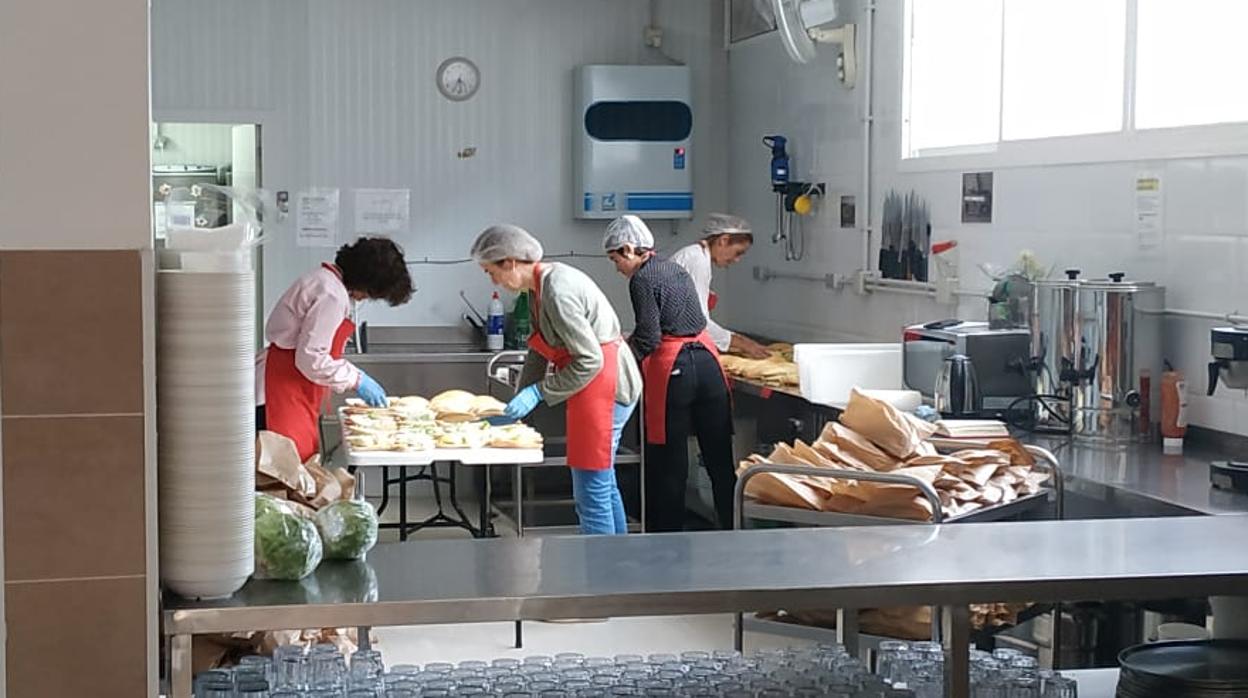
305 319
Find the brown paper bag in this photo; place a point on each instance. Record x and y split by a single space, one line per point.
328 488
843 459
893 431
782 490
859 446
278 458
1017 453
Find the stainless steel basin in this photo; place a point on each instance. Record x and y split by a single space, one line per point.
436 339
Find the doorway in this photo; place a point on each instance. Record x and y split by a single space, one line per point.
222 155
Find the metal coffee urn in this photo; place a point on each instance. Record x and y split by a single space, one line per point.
1097 356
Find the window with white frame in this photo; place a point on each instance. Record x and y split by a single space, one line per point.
1001 76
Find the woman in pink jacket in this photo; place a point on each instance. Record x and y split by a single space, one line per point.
306 333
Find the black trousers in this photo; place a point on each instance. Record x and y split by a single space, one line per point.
697 405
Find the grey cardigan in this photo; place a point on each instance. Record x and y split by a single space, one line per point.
576 315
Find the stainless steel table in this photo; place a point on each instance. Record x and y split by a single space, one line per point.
1140 480
450 581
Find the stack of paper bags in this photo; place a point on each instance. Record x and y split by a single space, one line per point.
873 436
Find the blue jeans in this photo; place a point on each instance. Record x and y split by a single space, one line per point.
599 507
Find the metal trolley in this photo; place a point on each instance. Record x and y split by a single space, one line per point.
847 618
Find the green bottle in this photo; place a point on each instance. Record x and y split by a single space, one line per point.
521 323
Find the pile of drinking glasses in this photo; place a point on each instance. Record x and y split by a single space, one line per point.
904 670
1004 673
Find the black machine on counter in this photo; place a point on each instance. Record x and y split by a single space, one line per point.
1000 358
1229 346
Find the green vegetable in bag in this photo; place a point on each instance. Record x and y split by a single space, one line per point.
287 545
348 529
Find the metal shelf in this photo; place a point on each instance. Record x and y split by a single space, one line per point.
807 517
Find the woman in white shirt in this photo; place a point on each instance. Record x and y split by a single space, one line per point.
727 239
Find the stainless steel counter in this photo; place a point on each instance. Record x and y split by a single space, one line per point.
449 581
1142 480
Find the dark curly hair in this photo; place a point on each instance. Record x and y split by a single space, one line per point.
375 266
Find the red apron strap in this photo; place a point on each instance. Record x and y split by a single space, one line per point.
590 412
292 403
656 370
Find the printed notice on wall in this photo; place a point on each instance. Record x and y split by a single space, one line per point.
1148 209
382 211
317 218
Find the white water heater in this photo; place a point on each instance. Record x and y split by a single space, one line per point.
632 147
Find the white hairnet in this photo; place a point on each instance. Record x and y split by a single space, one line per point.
506 241
628 230
721 223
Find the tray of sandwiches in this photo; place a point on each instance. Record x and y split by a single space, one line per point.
776 371
989 480
451 426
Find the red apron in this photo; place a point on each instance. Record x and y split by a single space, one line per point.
292 403
712 300
656 371
591 410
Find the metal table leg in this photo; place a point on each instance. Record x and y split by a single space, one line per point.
847 629
362 638
181 679
403 503
485 524
385 489
517 491
956 623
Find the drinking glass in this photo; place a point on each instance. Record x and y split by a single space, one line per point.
505 663
570 657
1061 687
626 659
324 691
889 654
439 668
539 659
405 669
285 693
326 669
259 663
989 686
217 688
364 693
401 692
1023 687
291 668
257 688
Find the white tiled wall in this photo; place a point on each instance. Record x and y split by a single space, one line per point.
1071 216
346 96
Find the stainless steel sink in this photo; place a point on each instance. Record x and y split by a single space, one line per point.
434 339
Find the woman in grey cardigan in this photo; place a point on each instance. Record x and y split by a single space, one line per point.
575 329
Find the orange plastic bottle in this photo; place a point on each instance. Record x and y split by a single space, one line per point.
1173 409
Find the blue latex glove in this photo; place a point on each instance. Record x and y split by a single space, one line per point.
524 402
500 420
371 392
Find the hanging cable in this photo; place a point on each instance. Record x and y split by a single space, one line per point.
467 260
